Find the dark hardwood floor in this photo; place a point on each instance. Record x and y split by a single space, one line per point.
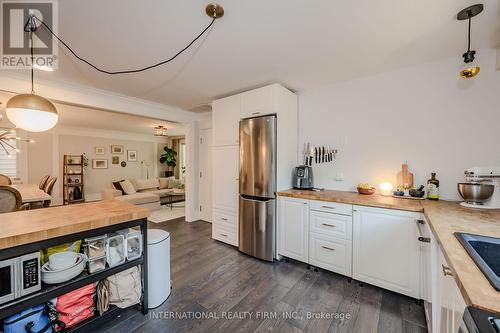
218 289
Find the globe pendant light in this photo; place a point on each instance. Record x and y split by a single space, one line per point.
469 69
31 112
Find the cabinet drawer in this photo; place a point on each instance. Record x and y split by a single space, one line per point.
331 207
330 253
224 219
225 234
329 224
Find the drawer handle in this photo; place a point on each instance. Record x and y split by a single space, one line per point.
223 235
223 219
328 225
328 248
328 207
253 113
420 237
447 271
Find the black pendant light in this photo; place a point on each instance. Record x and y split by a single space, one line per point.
469 70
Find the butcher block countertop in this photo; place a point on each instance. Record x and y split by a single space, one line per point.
445 218
355 198
30 226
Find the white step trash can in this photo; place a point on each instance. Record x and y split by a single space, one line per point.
158 267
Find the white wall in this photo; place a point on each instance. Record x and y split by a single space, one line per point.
424 115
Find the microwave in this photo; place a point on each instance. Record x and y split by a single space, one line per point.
19 277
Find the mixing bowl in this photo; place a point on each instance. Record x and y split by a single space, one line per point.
475 192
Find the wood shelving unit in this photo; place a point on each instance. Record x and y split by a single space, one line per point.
72 178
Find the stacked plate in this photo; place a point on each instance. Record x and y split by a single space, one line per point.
63 273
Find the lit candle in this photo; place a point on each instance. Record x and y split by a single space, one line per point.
386 188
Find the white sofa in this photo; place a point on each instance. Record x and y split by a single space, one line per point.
149 192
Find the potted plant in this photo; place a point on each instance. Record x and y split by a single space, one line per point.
169 157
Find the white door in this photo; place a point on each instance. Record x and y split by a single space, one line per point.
205 183
225 120
225 177
386 250
293 228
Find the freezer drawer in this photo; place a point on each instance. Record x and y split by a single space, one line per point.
257 227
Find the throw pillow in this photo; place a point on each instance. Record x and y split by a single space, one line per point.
128 187
164 181
174 183
118 186
146 184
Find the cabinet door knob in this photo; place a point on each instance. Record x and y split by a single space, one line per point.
447 271
328 248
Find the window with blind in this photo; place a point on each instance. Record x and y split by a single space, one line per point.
8 165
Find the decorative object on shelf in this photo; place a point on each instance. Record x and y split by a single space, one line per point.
99 150
214 11
160 131
8 134
31 112
117 149
318 154
469 69
77 193
115 160
100 164
73 187
123 164
132 155
386 188
169 157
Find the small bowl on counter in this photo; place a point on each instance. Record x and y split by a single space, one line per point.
366 191
416 193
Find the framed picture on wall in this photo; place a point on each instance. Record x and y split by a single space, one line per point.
100 164
117 149
115 160
132 155
99 150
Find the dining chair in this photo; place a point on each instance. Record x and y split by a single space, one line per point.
43 182
10 200
48 189
5 180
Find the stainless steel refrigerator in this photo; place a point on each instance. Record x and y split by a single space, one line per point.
257 202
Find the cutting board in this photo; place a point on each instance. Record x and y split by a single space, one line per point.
405 177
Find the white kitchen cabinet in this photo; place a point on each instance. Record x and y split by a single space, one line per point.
293 228
226 120
225 161
386 250
258 102
449 305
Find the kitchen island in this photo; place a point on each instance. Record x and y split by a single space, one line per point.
444 219
30 231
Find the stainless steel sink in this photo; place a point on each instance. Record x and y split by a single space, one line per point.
485 251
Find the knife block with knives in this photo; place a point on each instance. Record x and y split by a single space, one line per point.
318 154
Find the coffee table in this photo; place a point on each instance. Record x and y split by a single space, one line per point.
173 197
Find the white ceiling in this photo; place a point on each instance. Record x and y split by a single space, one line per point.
301 44
75 116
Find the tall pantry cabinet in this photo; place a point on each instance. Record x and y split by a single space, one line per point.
226 115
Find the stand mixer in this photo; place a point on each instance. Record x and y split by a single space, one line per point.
481 188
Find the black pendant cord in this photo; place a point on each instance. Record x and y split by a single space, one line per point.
468 37
32 59
163 62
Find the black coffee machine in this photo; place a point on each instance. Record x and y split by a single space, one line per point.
303 178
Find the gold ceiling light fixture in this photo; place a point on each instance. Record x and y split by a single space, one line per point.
7 135
31 112
469 69
160 131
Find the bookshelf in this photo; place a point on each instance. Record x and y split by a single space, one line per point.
73 179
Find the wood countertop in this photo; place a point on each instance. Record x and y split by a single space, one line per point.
355 198
30 226
445 218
